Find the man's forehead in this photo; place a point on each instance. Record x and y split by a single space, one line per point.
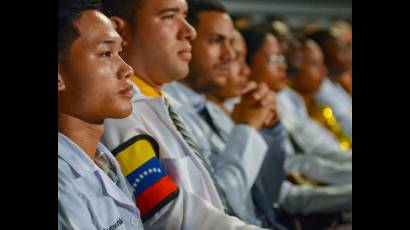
239 47
312 48
238 40
94 25
91 18
270 41
217 22
158 5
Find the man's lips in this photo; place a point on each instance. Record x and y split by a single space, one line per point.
126 92
223 71
185 54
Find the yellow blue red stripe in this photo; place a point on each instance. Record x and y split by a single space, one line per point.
152 187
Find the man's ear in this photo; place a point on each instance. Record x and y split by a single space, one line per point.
61 84
121 26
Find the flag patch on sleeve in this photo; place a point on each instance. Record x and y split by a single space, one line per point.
152 187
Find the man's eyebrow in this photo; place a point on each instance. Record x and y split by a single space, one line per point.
111 41
106 42
169 9
218 35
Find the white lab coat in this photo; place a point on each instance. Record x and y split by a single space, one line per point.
87 196
298 199
310 164
322 161
335 196
304 199
319 169
198 205
309 134
333 95
236 155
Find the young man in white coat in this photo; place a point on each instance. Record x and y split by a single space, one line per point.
158 48
92 86
223 138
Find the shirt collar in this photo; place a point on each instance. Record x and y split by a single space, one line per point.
145 88
75 156
190 97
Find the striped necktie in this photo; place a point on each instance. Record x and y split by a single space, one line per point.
179 125
105 165
176 120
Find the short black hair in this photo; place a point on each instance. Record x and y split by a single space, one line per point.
321 37
254 37
68 12
125 9
274 17
198 6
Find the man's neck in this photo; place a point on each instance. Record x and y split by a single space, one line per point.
84 134
196 87
334 72
150 82
307 96
187 84
209 96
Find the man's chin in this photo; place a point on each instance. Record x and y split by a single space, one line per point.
221 82
122 113
181 74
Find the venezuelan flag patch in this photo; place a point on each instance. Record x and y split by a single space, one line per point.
153 188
